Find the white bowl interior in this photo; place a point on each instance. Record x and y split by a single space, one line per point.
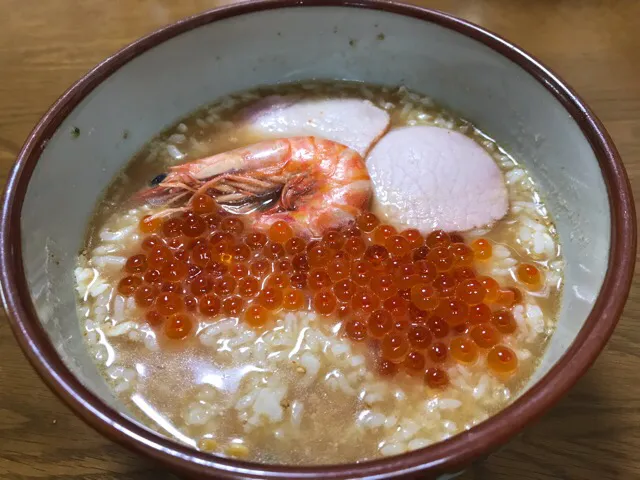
167 82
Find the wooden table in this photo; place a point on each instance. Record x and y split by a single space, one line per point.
594 45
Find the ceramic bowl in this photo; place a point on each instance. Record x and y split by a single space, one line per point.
151 83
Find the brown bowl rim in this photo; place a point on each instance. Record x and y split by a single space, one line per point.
447 456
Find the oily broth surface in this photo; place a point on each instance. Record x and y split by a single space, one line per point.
169 378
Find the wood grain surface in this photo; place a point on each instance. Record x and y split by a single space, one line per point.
593 434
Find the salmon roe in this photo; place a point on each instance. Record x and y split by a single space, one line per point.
418 302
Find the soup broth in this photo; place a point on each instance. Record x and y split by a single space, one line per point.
299 386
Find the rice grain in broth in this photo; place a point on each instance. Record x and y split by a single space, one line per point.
298 391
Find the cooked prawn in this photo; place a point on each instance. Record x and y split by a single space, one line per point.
321 184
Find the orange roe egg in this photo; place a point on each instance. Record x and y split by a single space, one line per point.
503 320
151 242
420 253
201 255
295 245
128 285
454 312
293 299
209 305
270 298
485 335
178 326
170 287
158 256
415 362
380 323
426 270
300 263
482 249
225 285
169 303
442 258
383 286
172 227
480 313
396 306
394 347
333 239
382 233
193 226
238 270
424 296
298 280
324 302
202 203
356 330
178 242
419 337
279 280
367 222
190 303
318 255
280 232
502 360
148 224
417 316
414 237
463 350
438 327
202 284
232 225
153 318
376 255
398 245
240 252
506 298
462 254
338 269
491 287
351 230
361 272
248 287
343 310
255 240
387 368
259 268
438 238
445 285
471 291
437 352
145 295
528 274
283 266
212 220
355 247
436 378
221 242
365 301
256 315
463 273
273 251
344 290
232 306
318 278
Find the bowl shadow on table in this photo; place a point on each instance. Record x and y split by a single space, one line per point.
579 438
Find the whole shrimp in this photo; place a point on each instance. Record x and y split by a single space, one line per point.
321 184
